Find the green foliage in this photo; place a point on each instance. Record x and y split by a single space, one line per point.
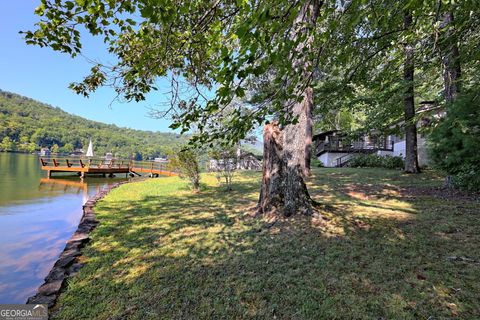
349 51
314 162
27 125
55 148
455 142
7 144
216 46
185 162
376 161
67 148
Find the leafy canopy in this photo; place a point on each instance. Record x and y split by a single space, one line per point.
220 49
213 46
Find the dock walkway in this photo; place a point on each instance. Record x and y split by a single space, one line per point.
84 167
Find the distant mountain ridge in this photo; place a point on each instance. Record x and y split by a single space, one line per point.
28 125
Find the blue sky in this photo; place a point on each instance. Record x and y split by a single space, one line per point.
44 75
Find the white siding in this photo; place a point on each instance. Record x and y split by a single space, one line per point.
329 159
399 149
422 151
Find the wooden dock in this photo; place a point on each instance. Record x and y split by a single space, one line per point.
84 167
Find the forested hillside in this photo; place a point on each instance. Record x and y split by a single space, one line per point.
28 125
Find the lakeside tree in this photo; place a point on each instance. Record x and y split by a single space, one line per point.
7 144
217 48
213 46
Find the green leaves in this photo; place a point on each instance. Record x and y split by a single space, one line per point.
262 52
40 10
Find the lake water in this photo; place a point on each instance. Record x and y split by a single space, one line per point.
37 217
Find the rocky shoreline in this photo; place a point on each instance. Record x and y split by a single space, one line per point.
68 263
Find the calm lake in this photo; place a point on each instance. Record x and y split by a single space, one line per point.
37 216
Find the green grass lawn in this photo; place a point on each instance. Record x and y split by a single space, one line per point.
387 251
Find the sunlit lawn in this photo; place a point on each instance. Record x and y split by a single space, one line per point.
386 252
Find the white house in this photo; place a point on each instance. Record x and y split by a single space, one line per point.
244 161
335 149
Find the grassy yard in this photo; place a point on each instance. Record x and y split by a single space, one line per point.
394 247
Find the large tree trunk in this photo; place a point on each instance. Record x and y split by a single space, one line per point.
271 193
411 154
287 152
308 132
283 190
296 149
305 22
450 59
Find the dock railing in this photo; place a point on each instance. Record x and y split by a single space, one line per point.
76 162
99 165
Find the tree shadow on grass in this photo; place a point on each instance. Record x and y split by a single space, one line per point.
198 256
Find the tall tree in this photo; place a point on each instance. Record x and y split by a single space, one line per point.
211 46
450 58
411 155
297 137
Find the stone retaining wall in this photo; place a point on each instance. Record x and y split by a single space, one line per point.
68 262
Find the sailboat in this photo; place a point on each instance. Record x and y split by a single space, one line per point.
90 149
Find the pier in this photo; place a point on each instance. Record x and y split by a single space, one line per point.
84 167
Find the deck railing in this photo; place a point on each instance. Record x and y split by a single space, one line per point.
343 145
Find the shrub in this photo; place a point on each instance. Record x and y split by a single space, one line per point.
455 142
376 161
390 162
467 178
316 163
186 164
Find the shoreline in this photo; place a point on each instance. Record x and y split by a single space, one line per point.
68 264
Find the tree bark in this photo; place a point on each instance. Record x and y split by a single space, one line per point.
306 19
308 132
411 154
296 150
271 192
450 59
283 190
287 152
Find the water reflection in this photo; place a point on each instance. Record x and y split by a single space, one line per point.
37 216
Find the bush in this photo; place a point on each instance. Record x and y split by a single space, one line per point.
376 161
467 178
455 142
393 162
185 162
316 163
